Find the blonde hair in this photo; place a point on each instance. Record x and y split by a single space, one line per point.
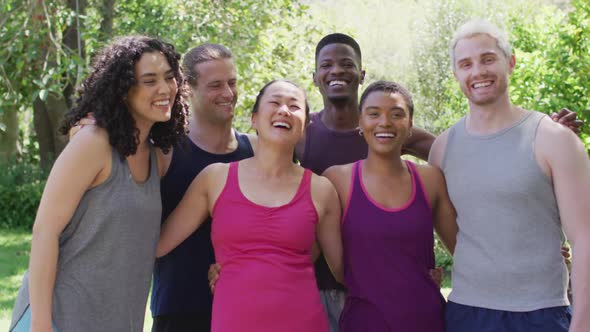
476 27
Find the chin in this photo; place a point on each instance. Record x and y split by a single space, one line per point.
339 98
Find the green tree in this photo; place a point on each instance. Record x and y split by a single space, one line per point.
45 48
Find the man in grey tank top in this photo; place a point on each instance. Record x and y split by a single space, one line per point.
517 180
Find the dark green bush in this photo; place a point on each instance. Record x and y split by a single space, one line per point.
21 186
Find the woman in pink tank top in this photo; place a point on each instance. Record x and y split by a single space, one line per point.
390 208
266 213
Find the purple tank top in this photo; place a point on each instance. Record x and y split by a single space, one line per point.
325 148
387 257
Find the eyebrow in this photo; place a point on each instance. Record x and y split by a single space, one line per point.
370 107
481 55
154 74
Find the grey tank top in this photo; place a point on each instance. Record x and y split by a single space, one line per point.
508 247
106 255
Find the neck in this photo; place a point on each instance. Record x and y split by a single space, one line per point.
341 116
215 138
491 118
144 131
273 160
387 165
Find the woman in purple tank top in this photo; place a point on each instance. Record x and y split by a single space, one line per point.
266 212
390 209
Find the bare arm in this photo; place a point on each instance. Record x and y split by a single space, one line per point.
190 213
445 216
437 152
418 145
84 162
569 167
328 228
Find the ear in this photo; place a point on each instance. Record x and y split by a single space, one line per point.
253 121
511 63
315 79
362 77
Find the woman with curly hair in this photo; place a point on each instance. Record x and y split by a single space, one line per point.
96 230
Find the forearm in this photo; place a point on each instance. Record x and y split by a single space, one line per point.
581 285
419 144
42 271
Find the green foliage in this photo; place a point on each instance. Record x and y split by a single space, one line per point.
553 61
269 38
442 256
21 186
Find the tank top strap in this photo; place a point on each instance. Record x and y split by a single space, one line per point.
354 187
305 185
232 183
154 176
356 176
417 184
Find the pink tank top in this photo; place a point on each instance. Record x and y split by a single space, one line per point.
267 280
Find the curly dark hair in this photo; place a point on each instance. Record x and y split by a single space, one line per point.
104 90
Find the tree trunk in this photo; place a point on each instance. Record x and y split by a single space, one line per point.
48 113
108 13
8 135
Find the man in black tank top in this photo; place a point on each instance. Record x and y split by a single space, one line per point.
181 299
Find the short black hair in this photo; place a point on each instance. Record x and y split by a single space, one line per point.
389 87
263 90
338 38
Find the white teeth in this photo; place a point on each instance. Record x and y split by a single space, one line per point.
482 85
391 135
162 102
280 124
339 83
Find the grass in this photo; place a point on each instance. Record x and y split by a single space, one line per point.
14 259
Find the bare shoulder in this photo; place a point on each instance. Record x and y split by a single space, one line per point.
320 183
90 144
554 141
92 136
431 176
437 152
215 171
322 189
338 171
339 175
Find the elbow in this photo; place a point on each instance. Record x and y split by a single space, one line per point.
161 250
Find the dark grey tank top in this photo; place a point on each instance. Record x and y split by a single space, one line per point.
106 255
508 247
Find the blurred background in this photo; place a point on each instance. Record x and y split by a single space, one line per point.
46 47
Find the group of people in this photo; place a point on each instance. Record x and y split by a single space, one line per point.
502 187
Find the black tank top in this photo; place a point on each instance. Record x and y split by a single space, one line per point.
180 278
